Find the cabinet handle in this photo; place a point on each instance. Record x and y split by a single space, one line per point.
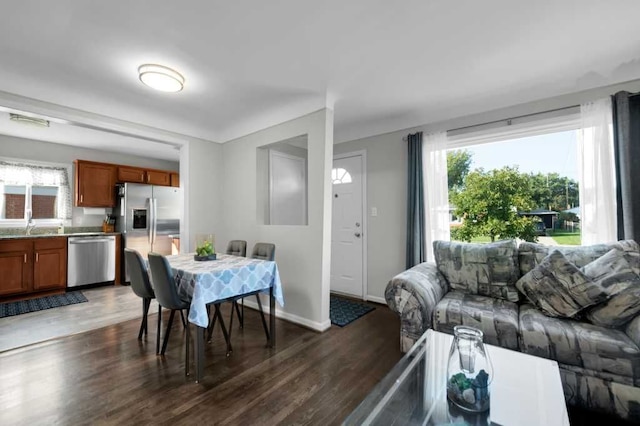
142 177
25 258
147 177
81 197
37 257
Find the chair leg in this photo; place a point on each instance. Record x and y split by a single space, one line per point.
224 330
146 318
184 323
143 323
187 361
168 332
159 329
212 324
240 315
231 320
264 322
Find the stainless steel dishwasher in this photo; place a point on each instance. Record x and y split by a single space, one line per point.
91 259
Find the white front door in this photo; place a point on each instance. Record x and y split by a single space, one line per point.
347 227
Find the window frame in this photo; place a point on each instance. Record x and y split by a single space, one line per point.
18 223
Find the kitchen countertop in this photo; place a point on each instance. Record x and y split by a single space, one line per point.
71 234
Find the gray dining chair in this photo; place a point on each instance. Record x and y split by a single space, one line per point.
237 248
234 248
262 251
167 295
141 286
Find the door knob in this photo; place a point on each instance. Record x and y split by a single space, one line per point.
357 234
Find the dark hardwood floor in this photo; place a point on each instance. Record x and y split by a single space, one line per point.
107 376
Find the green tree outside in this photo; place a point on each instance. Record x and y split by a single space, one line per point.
489 204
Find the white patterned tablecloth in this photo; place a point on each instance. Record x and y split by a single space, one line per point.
228 276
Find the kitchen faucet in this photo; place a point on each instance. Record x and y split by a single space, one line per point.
30 223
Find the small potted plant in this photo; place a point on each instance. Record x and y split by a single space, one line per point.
205 249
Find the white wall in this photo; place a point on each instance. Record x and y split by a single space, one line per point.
302 252
47 152
201 177
387 179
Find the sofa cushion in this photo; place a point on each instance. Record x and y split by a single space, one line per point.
497 318
618 310
483 269
611 272
577 343
531 254
558 288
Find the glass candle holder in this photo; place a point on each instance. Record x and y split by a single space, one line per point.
469 371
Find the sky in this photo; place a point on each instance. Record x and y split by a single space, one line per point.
555 152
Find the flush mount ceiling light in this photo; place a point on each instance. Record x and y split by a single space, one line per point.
161 78
33 121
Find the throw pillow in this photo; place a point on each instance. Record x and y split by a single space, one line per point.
484 269
531 254
611 272
618 310
558 288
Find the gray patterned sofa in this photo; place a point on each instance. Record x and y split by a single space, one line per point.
576 305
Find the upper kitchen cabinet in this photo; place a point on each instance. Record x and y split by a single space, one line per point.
140 175
131 174
158 177
94 184
175 179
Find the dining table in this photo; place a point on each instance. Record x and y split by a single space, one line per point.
226 278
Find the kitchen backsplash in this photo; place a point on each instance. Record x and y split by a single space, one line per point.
50 230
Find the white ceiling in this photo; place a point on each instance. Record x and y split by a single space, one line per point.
250 64
87 138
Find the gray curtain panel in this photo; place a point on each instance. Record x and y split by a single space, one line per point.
626 136
416 247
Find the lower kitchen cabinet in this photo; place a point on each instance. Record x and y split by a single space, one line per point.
32 265
16 268
50 264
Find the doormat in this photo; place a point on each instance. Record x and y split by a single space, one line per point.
344 311
41 303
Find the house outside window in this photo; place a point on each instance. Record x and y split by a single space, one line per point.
36 191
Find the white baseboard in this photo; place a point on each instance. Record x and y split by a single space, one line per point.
313 325
377 299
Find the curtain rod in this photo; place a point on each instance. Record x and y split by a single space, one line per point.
508 120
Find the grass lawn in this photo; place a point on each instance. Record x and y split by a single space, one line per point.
565 238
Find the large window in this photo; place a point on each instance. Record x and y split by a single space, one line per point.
32 191
520 188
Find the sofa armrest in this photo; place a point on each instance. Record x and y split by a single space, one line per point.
633 330
413 295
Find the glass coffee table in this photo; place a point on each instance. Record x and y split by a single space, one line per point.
526 390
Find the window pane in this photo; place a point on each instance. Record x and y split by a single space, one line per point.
13 201
44 202
522 188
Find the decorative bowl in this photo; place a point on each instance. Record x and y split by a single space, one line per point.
203 258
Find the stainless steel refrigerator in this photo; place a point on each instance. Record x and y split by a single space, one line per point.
148 217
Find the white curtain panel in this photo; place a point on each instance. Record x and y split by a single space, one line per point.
434 163
596 173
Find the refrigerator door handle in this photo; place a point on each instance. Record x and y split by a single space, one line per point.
155 220
150 200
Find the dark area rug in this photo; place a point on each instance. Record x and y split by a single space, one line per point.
41 303
344 311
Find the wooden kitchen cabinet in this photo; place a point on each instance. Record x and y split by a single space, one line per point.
50 263
131 174
94 184
15 267
175 179
158 177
